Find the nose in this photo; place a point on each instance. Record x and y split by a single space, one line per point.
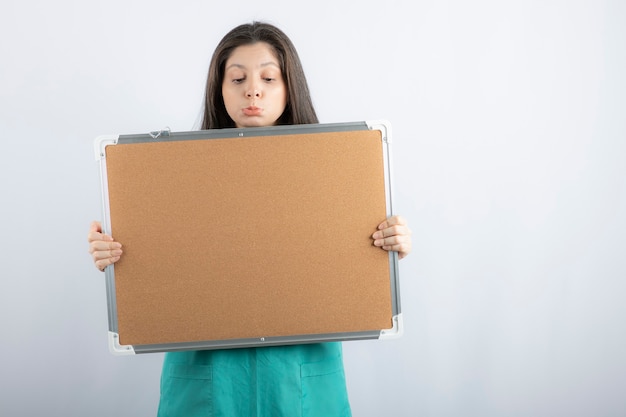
253 92
254 89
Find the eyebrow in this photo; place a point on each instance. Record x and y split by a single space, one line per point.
265 64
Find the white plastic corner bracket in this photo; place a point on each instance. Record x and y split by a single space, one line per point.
116 348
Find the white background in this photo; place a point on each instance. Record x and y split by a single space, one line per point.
509 129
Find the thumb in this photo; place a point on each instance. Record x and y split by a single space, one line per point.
95 227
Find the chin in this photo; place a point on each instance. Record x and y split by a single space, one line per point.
254 123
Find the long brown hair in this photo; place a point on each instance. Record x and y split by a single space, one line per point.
299 109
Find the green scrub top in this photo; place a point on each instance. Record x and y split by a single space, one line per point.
290 381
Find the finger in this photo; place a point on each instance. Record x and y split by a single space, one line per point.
105 254
403 248
103 263
95 226
392 241
101 245
395 230
95 233
392 221
392 225
403 253
104 245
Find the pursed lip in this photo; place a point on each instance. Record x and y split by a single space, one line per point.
252 111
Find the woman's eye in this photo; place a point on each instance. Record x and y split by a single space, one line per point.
238 80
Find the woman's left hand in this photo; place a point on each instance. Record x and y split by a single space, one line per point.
394 234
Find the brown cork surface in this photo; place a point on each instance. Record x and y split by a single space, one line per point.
249 237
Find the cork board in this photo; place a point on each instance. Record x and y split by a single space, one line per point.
248 238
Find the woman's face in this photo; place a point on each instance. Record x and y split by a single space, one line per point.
253 89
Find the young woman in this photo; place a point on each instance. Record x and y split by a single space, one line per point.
255 79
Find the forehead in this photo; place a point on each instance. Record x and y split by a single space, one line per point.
253 56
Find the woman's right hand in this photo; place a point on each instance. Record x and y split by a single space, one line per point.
104 250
